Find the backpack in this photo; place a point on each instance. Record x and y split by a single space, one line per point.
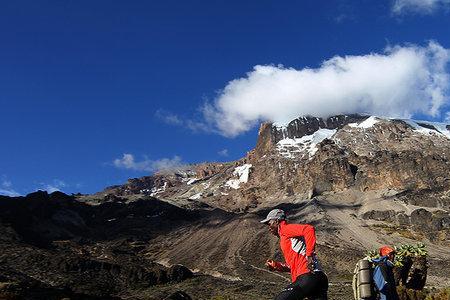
362 284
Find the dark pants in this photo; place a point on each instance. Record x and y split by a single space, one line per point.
313 286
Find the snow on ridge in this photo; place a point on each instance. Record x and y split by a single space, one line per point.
367 123
242 173
288 147
420 129
191 181
440 128
196 196
417 125
157 190
284 125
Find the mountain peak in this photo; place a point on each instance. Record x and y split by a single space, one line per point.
272 133
303 134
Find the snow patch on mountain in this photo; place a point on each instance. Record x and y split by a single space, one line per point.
157 190
368 123
196 196
429 128
191 181
307 144
242 173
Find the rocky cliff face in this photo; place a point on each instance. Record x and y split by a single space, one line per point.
270 134
370 155
303 126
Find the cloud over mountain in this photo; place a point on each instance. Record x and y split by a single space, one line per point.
399 82
128 162
6 187
55 185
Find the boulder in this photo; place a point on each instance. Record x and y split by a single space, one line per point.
178 295
421 219
380 215
179 273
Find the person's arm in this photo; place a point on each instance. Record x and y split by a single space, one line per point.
305 230
277 266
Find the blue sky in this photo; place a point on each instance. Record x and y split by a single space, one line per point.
95 92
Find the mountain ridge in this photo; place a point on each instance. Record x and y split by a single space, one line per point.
382 155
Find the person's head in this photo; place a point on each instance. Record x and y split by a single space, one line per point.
273 219
387 251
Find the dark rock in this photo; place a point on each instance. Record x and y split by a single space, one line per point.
380 215
308 125
426 221
113 198
417 273
421 219
428 126
38 195
69 218
441 220
179 273
405 293
402 219
59 196
35 232
445 223
179 295
423 200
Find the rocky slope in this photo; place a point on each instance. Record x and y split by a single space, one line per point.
362 181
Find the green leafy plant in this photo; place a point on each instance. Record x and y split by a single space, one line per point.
401 253
372 254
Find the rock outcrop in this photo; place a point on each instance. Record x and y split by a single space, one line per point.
56 246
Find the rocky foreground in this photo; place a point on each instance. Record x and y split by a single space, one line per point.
53 246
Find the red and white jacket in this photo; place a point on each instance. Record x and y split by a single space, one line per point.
297 241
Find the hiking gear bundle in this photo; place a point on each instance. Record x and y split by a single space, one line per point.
374 277
362 280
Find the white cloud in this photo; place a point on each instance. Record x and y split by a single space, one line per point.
6 188
54 186
168 117
399 82
6 183
10 193
447 117
418 6
128 162
173 119
223 152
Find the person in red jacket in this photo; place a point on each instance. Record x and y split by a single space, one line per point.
297 242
